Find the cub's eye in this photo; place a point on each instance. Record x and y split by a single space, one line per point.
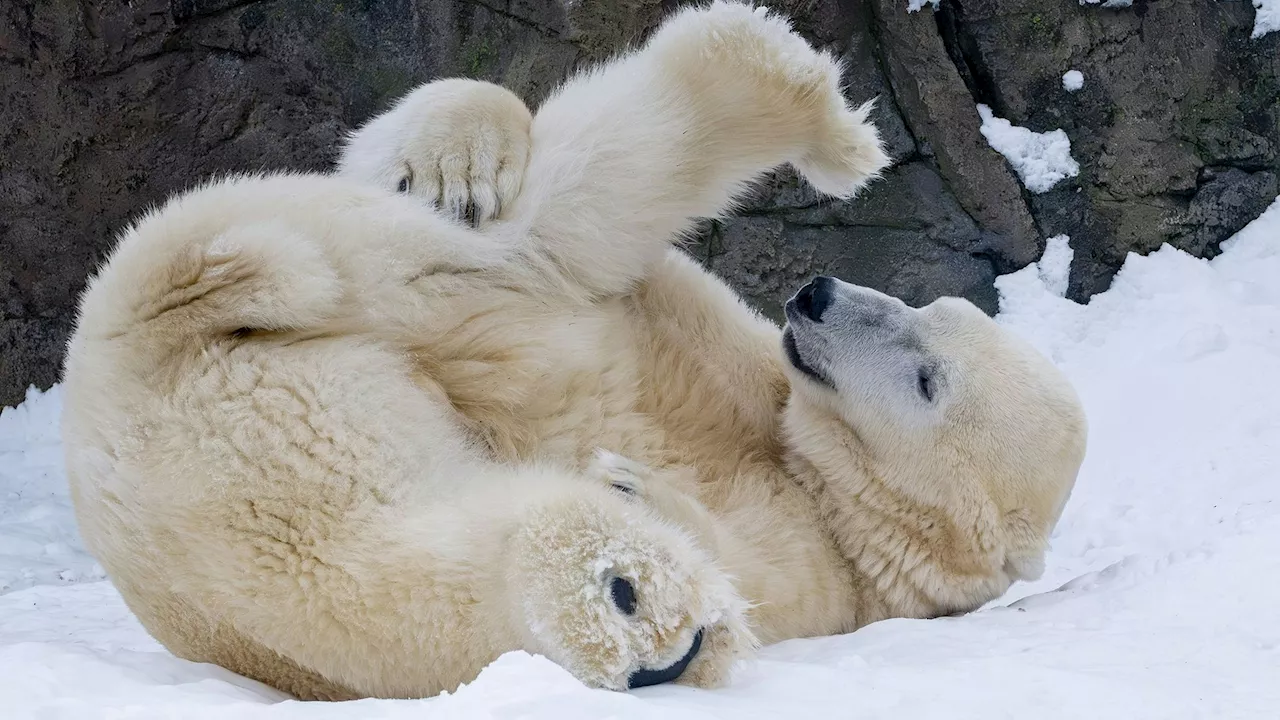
403 187
924 383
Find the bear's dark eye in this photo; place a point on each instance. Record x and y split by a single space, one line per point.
403 187
924 383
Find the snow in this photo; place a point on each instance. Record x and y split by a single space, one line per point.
38 541
1158 601
915 5
1042 160
1267 18
1054 267
1072 80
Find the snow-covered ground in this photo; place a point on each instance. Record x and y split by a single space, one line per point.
1161 599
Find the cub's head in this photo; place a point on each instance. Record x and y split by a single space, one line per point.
945 408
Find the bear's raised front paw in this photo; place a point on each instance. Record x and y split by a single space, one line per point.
622 600
459 145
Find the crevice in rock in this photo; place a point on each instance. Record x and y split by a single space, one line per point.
527 22
963 50
133 63
27 27
185 10
999 265
877 36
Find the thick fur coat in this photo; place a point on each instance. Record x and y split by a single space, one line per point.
331 439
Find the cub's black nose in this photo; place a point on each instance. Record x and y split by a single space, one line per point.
645 677
814 297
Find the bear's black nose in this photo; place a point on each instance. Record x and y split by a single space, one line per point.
814 297
624 595
645 678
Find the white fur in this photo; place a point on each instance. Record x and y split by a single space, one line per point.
834 505
467 159
329 439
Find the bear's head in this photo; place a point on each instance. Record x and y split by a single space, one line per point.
930 426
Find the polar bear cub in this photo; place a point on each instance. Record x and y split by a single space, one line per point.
262 457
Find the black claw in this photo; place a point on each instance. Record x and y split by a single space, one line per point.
624 595
645 678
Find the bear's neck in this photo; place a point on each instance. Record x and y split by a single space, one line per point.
906 558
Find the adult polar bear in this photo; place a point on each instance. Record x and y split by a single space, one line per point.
272 379
276 488
868 461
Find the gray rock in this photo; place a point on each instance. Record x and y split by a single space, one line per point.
938 107
1223 204
1171 89
108 107
907 236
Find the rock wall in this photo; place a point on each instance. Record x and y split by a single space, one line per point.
107 107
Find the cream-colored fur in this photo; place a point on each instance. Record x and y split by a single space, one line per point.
468 160
834 502
323 436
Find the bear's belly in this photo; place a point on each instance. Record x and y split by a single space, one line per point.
567 383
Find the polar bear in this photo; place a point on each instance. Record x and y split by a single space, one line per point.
868 460
285 393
